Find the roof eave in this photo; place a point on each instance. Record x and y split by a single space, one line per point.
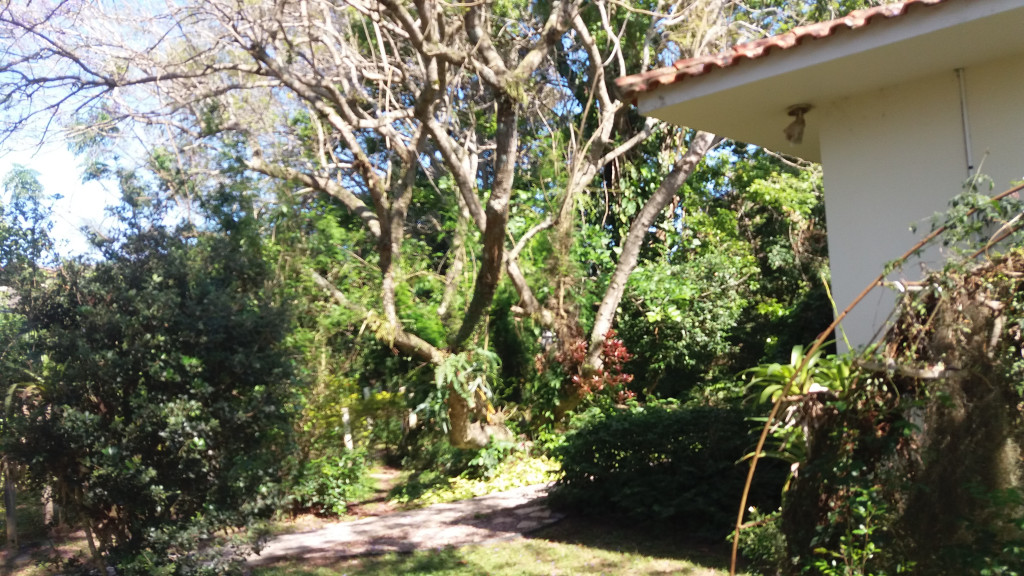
748 99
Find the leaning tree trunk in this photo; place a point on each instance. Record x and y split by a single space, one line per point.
702 142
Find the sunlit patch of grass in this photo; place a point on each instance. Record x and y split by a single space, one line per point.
517 471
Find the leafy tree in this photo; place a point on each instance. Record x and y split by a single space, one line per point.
25 242
25 246
474 141
165 402
377 105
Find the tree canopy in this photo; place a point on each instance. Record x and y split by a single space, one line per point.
454 145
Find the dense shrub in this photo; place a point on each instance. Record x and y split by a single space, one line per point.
327 484
663 462
164 405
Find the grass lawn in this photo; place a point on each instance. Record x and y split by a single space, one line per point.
579 546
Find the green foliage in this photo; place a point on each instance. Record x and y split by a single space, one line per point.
492 469
419 315
817 393
902 469
25 242
732 278
471 374
165 406
433 459
864 516
326 485
485 463
763 544
658 462
516 341
782 216
678 318
976 220
804 374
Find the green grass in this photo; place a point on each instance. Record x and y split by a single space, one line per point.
582 546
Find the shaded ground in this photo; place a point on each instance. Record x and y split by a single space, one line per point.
573 546
385 479
508 533
653 539
497 516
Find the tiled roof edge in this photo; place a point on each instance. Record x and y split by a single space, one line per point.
629 87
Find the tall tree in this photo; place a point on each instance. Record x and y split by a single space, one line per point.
165 393
25 246
377 104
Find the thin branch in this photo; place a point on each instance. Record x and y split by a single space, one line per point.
326 185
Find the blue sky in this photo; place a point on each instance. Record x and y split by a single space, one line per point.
81 205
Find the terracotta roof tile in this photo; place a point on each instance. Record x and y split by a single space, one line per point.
630 86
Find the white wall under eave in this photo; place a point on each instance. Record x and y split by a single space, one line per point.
892 158
995 102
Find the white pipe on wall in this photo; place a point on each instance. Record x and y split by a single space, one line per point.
968 155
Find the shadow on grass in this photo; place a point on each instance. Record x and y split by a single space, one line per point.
649 538
433 563
436 562
416 485
519 558
577 545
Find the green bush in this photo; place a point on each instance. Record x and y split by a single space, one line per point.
165 399
667 463
327 484
763 545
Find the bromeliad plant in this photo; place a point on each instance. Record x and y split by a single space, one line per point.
799 378
464 386
832 417
801 383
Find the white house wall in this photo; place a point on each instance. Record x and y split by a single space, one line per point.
894 157
995 101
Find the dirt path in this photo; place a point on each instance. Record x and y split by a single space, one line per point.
497 516
378 504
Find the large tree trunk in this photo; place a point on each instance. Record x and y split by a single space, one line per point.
465 433
497 221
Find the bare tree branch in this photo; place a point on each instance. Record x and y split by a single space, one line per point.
329 187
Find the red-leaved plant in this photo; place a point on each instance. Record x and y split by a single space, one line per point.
584 382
